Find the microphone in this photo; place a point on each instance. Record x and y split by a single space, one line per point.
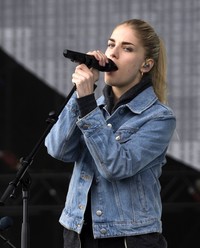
5 223
89 60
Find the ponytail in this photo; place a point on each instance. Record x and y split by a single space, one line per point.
159 74
154 49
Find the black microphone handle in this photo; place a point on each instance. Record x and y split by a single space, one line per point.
89 60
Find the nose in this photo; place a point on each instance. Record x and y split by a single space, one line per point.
113 53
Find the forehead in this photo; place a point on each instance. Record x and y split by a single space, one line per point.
125 33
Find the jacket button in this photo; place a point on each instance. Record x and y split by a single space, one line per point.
109 125
86 126
85 177
118 137
98 212
80 206
103 231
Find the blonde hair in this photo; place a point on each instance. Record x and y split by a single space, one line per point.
154 49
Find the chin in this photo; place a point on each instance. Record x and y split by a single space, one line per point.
108 82
108 78
111 83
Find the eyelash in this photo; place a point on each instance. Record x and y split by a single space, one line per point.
110 45
128 49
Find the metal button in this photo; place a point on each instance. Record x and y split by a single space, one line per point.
85 177
109 125
118 137
86 126
98 212
97 180
103 231
80 206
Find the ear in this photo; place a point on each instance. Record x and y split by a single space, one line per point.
147 65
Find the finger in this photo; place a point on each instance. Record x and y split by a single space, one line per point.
77 77
81 67
81 75
101 57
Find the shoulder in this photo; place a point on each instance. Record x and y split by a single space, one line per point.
148 101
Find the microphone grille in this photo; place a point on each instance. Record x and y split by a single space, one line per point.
5 223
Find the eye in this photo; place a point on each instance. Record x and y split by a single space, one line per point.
128 49
111 45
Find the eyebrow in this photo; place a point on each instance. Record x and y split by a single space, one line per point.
123 43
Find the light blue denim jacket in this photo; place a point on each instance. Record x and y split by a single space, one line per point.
120 156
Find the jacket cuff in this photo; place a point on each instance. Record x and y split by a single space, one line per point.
86 104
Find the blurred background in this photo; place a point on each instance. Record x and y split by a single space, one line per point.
35 79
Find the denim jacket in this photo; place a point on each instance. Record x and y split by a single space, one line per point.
119 158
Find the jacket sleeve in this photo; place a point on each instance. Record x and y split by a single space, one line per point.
63 140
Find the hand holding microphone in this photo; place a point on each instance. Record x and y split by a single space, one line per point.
84 76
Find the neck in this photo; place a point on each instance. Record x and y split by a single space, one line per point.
119 91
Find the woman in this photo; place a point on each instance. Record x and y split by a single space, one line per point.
118 144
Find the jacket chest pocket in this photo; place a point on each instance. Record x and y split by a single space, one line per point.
124 135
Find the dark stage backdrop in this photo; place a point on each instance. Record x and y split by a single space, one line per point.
25 104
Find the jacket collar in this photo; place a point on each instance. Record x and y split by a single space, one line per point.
137 99
143 101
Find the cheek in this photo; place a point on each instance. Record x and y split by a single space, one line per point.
130 69
133 67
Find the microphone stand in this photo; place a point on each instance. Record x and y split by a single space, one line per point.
26 182
7 241
23 177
